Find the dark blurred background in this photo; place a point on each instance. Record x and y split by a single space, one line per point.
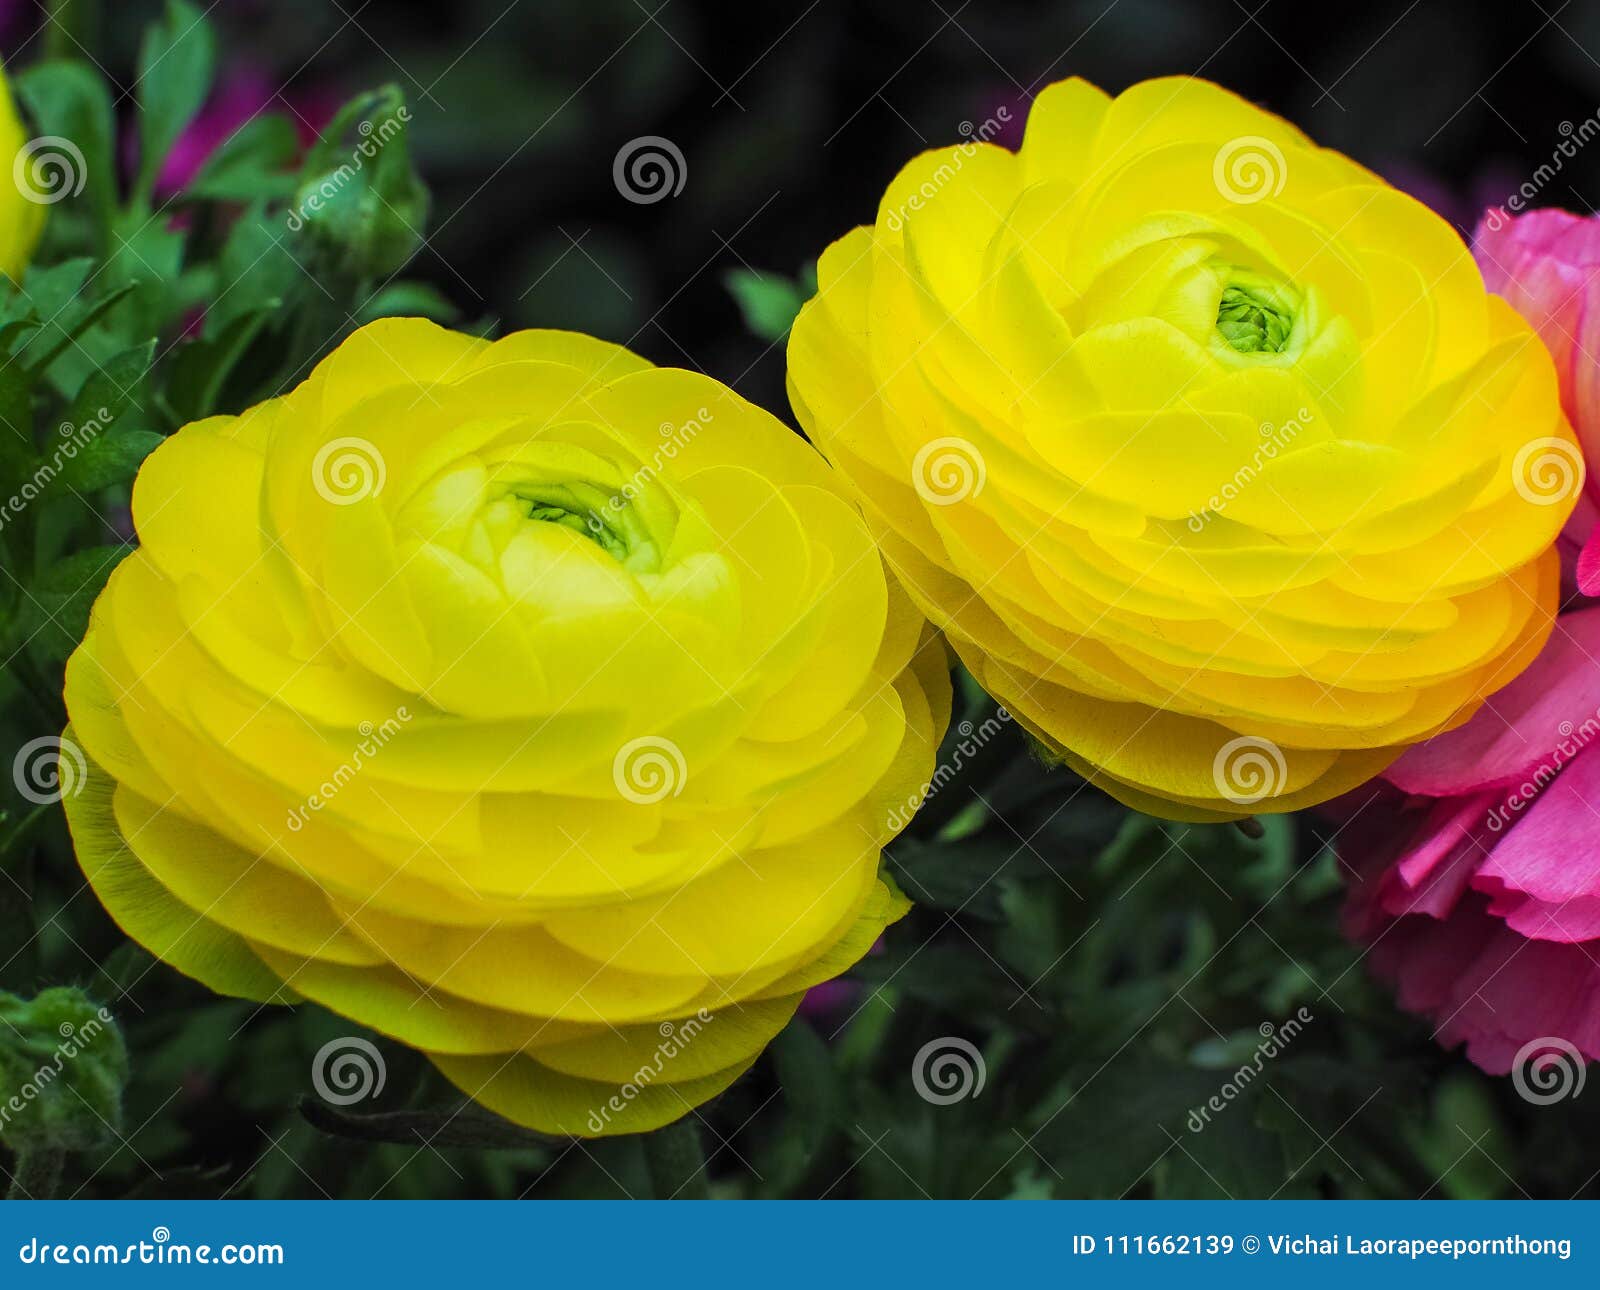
791 118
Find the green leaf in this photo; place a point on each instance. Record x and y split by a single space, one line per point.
101 442
1464 1142
146 255
1135 1121
55 613
66 302
409 300
112 389
68 98
57 338
110 458
50 290
768 301
201 368
255 270
176 62
814 1097
809 1078
250 164
17 453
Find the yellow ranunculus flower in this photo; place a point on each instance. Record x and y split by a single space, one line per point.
539 707
1205 447
32 179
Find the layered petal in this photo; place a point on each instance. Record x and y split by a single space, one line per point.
527 703
1193 437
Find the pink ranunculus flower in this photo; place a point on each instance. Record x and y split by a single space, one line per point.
1547 264
1476 872
1476 878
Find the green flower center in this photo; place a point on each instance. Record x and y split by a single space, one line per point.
1256 316
606 519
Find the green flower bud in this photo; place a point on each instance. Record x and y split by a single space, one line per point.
62 1068
359 197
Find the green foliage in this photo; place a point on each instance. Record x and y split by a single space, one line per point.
143 309
62 1068
769 301
176 63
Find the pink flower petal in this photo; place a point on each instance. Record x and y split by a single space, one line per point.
1549 853
1589 565
1546 263
1484 986
1523 733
